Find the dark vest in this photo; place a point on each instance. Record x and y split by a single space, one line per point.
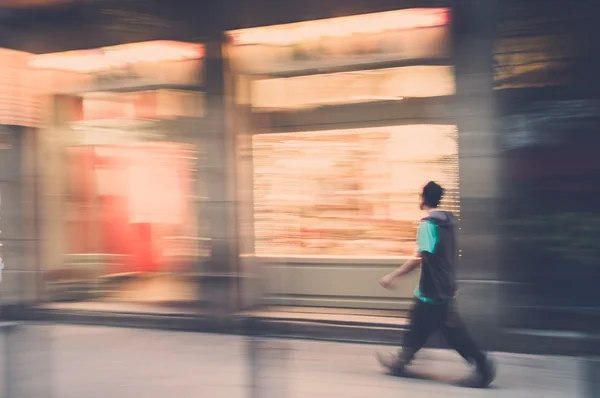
438 270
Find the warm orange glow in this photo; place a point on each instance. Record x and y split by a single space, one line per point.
19 102
88 61
341 27
353 87
133 220
107 108
348 192
143 105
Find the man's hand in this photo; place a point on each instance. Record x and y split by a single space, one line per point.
387 281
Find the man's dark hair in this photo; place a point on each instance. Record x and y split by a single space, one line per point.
432 194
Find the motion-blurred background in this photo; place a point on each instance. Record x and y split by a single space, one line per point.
192 164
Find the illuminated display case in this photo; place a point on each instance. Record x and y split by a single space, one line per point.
340 122
355 193
122 185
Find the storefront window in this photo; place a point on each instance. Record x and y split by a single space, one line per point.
122 187
348 192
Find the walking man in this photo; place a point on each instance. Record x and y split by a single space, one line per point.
435 307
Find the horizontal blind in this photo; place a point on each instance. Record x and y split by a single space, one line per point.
351 192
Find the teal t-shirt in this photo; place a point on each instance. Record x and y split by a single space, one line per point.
427 237
427 241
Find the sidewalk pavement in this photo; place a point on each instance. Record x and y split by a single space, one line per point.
102 362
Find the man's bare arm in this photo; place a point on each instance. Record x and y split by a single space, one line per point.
409 266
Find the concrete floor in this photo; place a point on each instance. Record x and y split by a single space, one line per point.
86 361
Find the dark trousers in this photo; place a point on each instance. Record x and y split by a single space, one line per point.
426 319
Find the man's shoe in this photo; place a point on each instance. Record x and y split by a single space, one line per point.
393 365
484 375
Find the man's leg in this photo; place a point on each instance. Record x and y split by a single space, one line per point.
422 325
457 336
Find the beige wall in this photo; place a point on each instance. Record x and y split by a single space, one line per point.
340 283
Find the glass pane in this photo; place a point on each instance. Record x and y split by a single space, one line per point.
131 224
349 192
127 230
122 186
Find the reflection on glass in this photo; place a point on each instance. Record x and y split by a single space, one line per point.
348 192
